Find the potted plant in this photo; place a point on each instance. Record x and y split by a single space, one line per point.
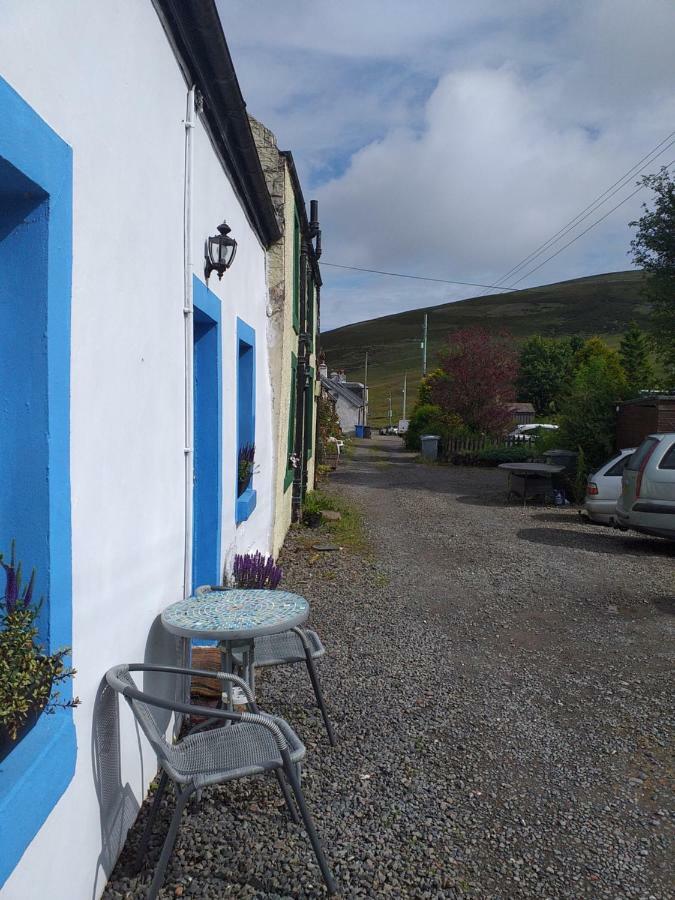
28 674
245 467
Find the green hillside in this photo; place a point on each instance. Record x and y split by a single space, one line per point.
598 305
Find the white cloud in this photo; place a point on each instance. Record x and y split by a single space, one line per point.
451 139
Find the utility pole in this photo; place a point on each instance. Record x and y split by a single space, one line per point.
424 348
389 413
365 391
405 392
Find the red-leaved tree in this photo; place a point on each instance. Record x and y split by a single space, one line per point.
479 372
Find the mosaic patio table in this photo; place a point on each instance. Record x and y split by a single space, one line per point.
234 618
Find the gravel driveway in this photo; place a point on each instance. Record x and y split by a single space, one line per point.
501 685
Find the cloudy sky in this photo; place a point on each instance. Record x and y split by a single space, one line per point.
450 138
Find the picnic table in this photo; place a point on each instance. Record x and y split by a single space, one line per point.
538 472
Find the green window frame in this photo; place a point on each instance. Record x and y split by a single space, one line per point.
296 273
309 415
288 478
310 309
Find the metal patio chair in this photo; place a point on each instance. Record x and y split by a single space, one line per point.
297 645
252 743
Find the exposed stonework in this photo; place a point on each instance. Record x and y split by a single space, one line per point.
272 164
274 169
281 337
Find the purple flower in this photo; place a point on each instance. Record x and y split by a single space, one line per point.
13 598
253 570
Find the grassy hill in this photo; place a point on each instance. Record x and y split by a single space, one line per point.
598 305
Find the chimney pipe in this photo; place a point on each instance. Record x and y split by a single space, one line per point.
314 229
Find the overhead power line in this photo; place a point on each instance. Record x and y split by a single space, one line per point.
416 277
592 207
585 231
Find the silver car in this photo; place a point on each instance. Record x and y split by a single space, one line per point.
647 501
604 488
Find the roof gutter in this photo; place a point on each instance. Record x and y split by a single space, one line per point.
196 34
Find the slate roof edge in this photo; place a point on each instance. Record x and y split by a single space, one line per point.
196 34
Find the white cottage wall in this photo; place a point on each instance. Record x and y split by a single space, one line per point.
243 294
106 80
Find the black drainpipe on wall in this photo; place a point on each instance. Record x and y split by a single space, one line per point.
299 473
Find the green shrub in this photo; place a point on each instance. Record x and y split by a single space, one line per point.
425 417
328 426
588 415
315 501
28 674
547 440
492 457
505 454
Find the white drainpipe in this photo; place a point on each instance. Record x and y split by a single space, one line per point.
188 317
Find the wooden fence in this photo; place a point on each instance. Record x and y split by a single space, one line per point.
470 443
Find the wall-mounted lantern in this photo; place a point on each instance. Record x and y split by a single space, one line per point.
219 251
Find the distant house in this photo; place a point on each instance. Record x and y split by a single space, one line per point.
350 398
523 413
642 416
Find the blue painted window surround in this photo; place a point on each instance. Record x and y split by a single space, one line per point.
207 436
245 503
35 296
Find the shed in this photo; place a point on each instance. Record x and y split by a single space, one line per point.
523 413
641 416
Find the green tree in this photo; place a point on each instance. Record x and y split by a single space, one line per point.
634 355
588 414
596 348
653 249
591 348
426 386
545 368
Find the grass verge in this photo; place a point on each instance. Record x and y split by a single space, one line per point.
348 531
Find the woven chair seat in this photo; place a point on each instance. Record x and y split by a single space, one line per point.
229 752
286 647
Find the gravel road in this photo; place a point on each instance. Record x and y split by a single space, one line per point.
501 685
